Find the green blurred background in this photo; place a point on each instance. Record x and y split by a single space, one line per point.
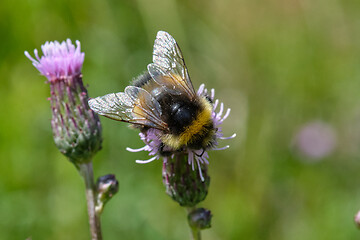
278 64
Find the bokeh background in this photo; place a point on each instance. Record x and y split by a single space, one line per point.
288 69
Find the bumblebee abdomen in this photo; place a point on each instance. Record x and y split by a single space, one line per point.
194 127
180 115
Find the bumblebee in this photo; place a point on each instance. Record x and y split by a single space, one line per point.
163 98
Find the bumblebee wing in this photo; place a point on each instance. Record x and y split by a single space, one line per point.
134 105
168 67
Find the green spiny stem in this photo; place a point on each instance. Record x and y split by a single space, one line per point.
86 171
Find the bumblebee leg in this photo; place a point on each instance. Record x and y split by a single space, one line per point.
200 155
164 153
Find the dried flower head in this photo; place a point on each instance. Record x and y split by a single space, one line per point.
76 128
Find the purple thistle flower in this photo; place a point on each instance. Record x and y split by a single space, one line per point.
182 183
76 128
60 59
196 157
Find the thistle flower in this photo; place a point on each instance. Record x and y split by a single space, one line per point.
196 158
182 183
76 128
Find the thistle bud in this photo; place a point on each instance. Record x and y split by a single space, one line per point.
76 128
200 218
183 184
107 186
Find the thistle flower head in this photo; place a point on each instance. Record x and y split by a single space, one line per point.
60 59
195 157
182 183
76 128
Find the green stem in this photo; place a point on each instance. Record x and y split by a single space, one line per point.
195 232
86 171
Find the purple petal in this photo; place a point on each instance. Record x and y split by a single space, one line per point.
59 59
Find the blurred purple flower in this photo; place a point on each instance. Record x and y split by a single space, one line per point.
152 141
357 219
76 128
315 140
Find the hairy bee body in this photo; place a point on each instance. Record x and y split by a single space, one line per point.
164 99
189 120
